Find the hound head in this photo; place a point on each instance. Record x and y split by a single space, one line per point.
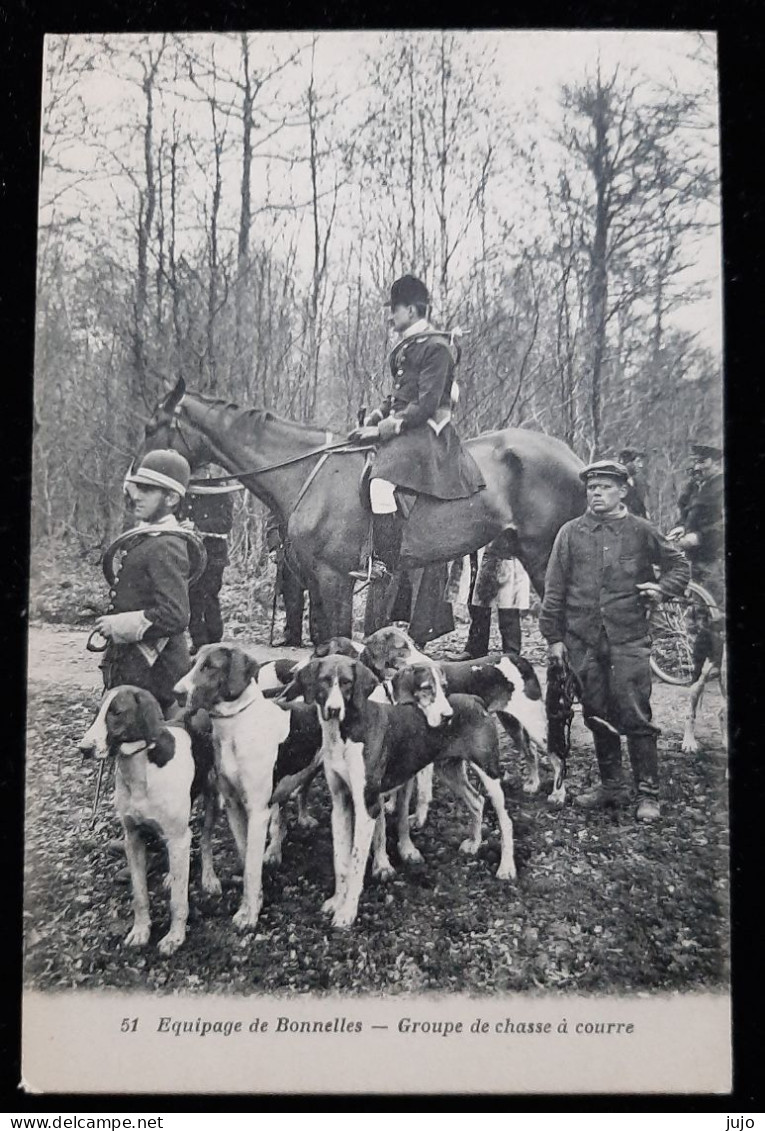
425 686
338 646
388 650
128 720
337 685
221 674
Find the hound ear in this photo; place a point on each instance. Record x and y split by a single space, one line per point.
304 683
242 670
163 745
367 658
321 650
173 398
402 686
364 684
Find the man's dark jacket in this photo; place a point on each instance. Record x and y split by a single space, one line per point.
423 367
705 517
594 567
154 578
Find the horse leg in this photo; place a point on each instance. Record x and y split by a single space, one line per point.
335 591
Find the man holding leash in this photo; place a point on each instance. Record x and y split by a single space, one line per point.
419 450
150 598
599 590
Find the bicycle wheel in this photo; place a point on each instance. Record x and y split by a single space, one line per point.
675 625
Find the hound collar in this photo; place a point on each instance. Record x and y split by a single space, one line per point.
225 710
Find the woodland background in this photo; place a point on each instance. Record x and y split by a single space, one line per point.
233 208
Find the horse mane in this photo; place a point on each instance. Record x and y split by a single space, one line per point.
246 415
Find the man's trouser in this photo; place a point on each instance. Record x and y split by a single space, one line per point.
206 622
480 630
124 663
616 699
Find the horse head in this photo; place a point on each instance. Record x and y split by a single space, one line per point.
165 429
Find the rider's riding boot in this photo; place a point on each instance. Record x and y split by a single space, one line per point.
613 789
645 769
385 546
510 630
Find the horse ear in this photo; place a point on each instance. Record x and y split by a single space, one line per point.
173 399
364 684
242 670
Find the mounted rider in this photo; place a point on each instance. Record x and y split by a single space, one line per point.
419 450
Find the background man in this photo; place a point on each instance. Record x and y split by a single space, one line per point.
600 586
211 510
419 448
637 486
150 600
703 536
498 581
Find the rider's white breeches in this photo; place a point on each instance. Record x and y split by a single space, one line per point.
381 496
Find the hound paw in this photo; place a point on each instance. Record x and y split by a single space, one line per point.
410 854
272 857
556 799
507 872
246 918
470 847
689 745
343 920
530 785
139 936
384 873
211 885
330 905
419 818
306 821
171 942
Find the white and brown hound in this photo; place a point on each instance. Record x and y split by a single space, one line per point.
247 732
154 788
370 749
508 688
710 663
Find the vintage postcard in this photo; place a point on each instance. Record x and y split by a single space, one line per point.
376 731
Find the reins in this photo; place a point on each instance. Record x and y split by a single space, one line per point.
327 449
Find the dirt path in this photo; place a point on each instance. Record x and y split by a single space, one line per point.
57 656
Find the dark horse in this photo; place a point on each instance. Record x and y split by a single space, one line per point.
532 486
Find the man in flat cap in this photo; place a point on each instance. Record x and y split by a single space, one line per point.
150 600
637 485
419 450
702 538
599 591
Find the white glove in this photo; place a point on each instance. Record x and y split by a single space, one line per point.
123 628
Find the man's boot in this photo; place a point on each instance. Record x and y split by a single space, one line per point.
510 631
645 769
382 556
478 636
613 790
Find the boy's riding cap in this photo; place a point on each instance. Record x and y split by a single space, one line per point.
163 468
607 467
409 291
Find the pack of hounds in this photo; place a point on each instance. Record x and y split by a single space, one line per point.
377 718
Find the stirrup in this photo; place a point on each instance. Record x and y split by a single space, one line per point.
375 570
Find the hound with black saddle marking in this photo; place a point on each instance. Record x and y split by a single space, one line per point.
247 732
507 687
155 784
370 749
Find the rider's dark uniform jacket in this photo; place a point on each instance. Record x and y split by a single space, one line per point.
594 567
705 518
153 579
427 455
